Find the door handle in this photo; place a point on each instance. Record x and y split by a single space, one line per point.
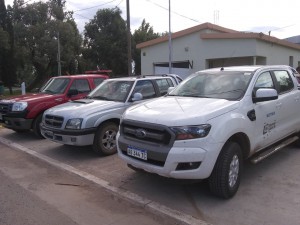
59 100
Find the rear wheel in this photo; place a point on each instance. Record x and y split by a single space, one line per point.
36 126
105 139
225 178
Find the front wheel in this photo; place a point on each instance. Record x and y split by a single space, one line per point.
225 178
36 126
105 139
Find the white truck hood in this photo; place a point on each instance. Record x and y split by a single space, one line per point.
179 111
83 108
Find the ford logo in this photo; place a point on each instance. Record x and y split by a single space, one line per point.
140 133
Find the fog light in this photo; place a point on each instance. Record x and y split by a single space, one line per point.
188 166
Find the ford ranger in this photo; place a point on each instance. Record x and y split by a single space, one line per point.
209 124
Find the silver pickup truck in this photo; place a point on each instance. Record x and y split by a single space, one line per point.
95 119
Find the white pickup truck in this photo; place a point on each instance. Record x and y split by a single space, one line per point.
95 119
209 124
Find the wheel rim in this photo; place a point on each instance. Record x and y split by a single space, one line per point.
233 171
109 139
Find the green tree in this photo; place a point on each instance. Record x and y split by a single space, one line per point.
38 27
7 59
143 33
105 42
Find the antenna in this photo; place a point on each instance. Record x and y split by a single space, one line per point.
216 17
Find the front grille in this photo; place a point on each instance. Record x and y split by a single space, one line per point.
147 132
5 108
54 121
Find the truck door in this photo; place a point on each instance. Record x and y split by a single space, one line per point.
266 114
287 104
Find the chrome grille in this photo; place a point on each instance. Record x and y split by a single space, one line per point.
145 132
54 121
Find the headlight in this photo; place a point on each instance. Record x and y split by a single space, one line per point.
74 124
191 132
19 106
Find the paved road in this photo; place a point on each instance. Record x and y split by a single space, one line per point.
34 192
269 192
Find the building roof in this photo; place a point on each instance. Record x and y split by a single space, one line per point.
185 32
222 33
258 36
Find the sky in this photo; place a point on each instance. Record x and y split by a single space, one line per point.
280 18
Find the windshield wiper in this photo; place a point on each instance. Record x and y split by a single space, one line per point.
100 98
48 91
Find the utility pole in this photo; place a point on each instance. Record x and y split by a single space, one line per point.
129 39
58 56
170 40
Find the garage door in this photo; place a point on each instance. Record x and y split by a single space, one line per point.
180 68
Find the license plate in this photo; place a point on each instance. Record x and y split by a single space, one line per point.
137 153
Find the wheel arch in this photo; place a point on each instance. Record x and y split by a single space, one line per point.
243 140
112 120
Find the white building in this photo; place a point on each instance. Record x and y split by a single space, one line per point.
208 45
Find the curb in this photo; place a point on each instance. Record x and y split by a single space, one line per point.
151 206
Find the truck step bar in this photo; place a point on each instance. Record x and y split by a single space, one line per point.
270 151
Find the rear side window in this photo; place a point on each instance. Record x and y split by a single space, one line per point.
163 85
82 85
284 81
98 81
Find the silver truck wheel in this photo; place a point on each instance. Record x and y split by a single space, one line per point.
225 178
105 139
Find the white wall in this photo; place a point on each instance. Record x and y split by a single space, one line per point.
197 50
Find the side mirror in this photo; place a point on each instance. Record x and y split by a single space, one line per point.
265 94
72 92
170 89
137 97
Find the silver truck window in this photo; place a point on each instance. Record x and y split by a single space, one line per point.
163 85
112 90
145 87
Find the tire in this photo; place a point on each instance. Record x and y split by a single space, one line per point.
20 131
105 139
225 178
36 126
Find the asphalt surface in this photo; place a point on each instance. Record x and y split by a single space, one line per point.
269 193
35 192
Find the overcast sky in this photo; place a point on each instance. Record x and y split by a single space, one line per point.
282 18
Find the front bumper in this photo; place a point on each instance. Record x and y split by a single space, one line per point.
17 123
178 160
75 137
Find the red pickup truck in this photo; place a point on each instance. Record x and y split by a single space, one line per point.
23 113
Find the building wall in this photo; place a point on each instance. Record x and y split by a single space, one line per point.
206 53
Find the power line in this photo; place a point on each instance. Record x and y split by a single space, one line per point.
154 3
95 6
